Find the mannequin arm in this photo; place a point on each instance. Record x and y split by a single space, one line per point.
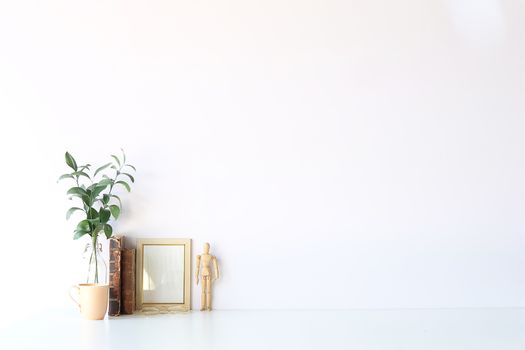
197 269
216 268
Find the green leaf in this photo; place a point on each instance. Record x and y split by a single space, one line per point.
104 215
130 177
79 234
71 211
97 190
83 226
70 161
131 166
92 213
101 168
105 198
104 182
77 191
123 155
99 227
65 176
80 173
125 184
118 198
82 167
115 210
108 230
116 159
86 200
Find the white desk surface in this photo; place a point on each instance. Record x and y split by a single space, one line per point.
477 329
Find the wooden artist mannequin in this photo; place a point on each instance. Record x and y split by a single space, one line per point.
204 263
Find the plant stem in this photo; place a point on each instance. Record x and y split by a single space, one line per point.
117 173
94 243
89 267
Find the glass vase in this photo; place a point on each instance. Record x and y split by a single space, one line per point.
97 268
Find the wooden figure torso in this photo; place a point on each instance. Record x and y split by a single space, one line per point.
206 264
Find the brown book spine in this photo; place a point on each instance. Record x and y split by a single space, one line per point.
128 281
115 247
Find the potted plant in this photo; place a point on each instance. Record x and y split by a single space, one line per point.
98 206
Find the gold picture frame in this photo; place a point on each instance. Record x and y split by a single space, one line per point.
159 275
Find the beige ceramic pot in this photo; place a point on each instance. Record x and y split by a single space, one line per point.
92 299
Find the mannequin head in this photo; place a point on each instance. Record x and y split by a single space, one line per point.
206 248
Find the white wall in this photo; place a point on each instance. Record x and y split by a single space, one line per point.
337 154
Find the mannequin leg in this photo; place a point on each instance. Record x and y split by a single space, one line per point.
208 295
204 286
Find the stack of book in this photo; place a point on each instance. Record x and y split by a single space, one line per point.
121 278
